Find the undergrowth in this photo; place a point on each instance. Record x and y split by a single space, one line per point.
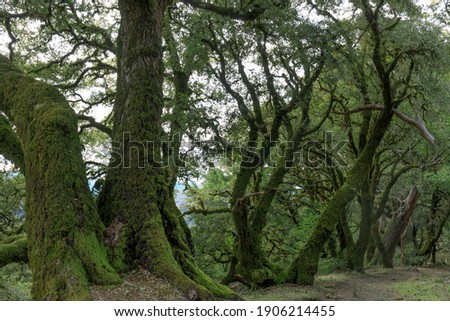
15 282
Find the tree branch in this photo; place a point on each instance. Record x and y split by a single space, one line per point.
206 211
93 123
16 251
419 124
230 12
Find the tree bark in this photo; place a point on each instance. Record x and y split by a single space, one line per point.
62 224
251 262
435 224
137 193
364 227
398 225
381 250
305 266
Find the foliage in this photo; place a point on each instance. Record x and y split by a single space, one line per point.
12 197
250 104
15 282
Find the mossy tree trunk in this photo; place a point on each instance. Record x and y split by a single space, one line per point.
305 266
346 242
62 224
251 263
365 197
435 223
137 200
364 228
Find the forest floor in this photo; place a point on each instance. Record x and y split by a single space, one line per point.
402 283
408 283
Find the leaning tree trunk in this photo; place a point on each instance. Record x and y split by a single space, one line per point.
62 224
364 227
305 266
356 261
137 202
398 225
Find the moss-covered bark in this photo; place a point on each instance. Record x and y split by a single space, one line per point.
137 195
346 242
15 250
365 226
252 266
62 224
365 198
435 223
381 250
304 267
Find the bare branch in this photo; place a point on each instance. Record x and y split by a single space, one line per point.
206 211
93 123
230 12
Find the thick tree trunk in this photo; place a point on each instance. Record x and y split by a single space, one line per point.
137 195
62 223
251 262
253 265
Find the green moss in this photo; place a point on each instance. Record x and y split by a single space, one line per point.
305 265
181 249
14 250
12 238
62 223
117 254
137 194
93 256
64 275
424 290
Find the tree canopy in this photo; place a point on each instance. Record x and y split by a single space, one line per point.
211 142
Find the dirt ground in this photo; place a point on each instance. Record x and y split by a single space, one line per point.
410 283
